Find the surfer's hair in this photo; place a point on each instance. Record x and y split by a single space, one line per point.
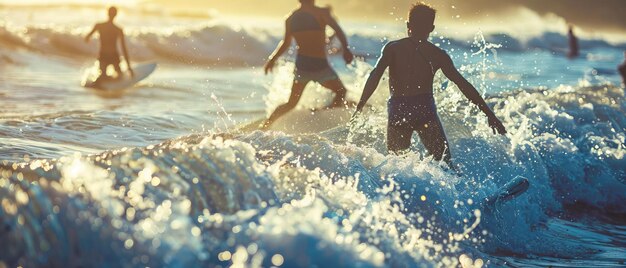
422 18
112 12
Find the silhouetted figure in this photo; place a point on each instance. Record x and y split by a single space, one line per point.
110 34
573 43
412 63
307 25
622 69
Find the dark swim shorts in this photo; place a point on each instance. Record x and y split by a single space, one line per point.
415 113
107 58
313 69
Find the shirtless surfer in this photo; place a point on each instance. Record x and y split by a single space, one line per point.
110 35
574 51
307 25
412 64
622 69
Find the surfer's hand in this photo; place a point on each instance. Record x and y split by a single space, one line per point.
354 117
269 66
496 125
347 55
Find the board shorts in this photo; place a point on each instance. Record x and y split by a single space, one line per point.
408 114
313 69
109 58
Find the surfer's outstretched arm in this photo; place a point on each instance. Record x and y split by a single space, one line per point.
471 93
374 78
125 51
283 46
332 22
93 31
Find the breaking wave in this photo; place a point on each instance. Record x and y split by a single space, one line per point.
267 198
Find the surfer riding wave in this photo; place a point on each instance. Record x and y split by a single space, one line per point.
110 34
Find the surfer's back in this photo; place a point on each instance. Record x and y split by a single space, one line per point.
308 26
412 66
109 35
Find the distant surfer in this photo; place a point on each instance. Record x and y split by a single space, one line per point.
622 69
412 64
110 34
307 25
573 43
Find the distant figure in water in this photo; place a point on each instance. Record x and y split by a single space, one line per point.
307 25
412 64
622 69
110 35
573 43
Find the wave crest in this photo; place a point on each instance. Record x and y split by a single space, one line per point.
226 45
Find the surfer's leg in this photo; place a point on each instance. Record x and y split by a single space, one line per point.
434 139
398 138
399 130
103 71
339 89
118 70
296 92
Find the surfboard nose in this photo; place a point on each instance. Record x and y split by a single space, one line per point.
514 188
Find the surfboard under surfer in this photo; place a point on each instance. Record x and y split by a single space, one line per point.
412 64
307 25
110 34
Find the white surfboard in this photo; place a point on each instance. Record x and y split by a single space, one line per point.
142 71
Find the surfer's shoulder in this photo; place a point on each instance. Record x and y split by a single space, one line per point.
400 46
292 13
326 11
393 45
440 55
323 13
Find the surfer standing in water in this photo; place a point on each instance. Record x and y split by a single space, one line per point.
412 64
622 70
573 43
110 34
307 25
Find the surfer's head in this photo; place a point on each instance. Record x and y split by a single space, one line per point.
421 19
112 13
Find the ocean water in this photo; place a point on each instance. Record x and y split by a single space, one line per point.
160 176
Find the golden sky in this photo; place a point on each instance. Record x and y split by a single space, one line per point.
522 17
606 15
